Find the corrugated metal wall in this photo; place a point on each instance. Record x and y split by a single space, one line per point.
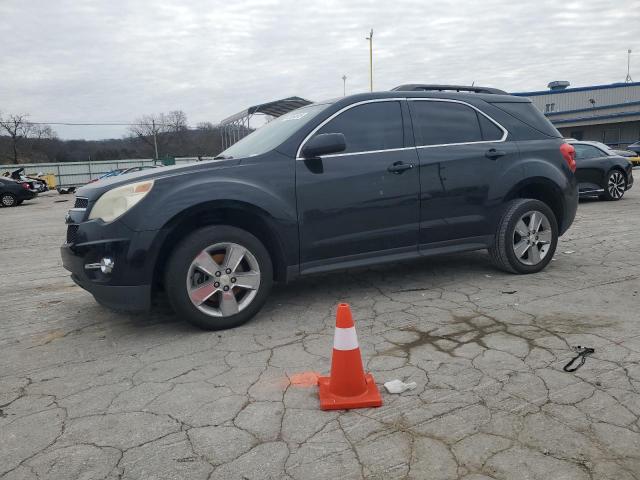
574 100
76 173
79 173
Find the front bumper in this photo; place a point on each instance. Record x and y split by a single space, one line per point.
128 286
132 298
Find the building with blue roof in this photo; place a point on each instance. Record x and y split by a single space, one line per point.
605 113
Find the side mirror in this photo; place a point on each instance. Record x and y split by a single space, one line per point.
324 144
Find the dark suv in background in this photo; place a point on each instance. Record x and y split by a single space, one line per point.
370 178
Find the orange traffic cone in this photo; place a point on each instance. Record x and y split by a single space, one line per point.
347 386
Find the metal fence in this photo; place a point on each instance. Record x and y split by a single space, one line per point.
73 174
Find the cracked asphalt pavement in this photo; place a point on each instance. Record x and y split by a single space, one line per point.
86 393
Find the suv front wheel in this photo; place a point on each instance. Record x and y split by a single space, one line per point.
526 237
218 277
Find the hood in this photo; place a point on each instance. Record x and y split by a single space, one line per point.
94 190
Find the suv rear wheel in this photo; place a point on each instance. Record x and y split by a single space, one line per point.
527 237
219 277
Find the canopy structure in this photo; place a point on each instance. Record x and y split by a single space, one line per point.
237 126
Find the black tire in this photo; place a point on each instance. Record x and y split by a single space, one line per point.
8 200
502 252
175 279
614 194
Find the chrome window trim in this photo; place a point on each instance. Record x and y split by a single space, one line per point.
362 153
505 132
344 109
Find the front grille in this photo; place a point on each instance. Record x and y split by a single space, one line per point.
72 233
81 202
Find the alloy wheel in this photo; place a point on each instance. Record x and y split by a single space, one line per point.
616 185
223 279
532 237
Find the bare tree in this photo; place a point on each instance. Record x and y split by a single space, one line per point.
177 120
147 128
18 128
43 132
205 126
151 128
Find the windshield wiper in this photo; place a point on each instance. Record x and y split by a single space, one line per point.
223 157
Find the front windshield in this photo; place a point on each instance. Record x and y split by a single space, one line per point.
273 133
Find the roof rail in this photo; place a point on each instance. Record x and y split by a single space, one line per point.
425 87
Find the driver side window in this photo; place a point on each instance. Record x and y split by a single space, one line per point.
369 127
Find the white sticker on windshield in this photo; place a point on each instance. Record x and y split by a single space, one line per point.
295 116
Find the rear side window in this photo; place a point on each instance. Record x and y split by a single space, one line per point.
368 127
585 152
441 123
490 131
527 113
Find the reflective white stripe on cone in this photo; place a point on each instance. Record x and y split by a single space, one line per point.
345 339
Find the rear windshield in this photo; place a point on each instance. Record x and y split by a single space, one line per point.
527 113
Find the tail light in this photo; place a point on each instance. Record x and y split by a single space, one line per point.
25 185
569 154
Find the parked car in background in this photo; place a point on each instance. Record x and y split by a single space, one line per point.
630 155
361 180
13 193
601 172
634 147
138 169
35 184
112 173
122 171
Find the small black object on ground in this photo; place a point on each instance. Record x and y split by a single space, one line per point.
582 355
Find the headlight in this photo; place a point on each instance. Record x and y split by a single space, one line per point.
116 202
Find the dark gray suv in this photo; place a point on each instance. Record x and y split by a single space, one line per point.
370 178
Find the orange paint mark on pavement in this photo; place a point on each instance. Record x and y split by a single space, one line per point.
304 379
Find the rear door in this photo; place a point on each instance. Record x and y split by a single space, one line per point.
462 153
589 167
362 203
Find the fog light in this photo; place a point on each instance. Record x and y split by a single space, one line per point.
106 265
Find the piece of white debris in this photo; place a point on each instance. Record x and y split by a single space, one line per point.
398 386
569 252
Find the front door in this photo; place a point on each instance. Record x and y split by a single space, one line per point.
362 203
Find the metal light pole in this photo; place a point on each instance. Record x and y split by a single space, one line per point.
370 38
344 85
628 79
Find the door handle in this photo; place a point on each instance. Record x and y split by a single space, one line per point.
399 167
493 154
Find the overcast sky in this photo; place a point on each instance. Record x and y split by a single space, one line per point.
114 60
